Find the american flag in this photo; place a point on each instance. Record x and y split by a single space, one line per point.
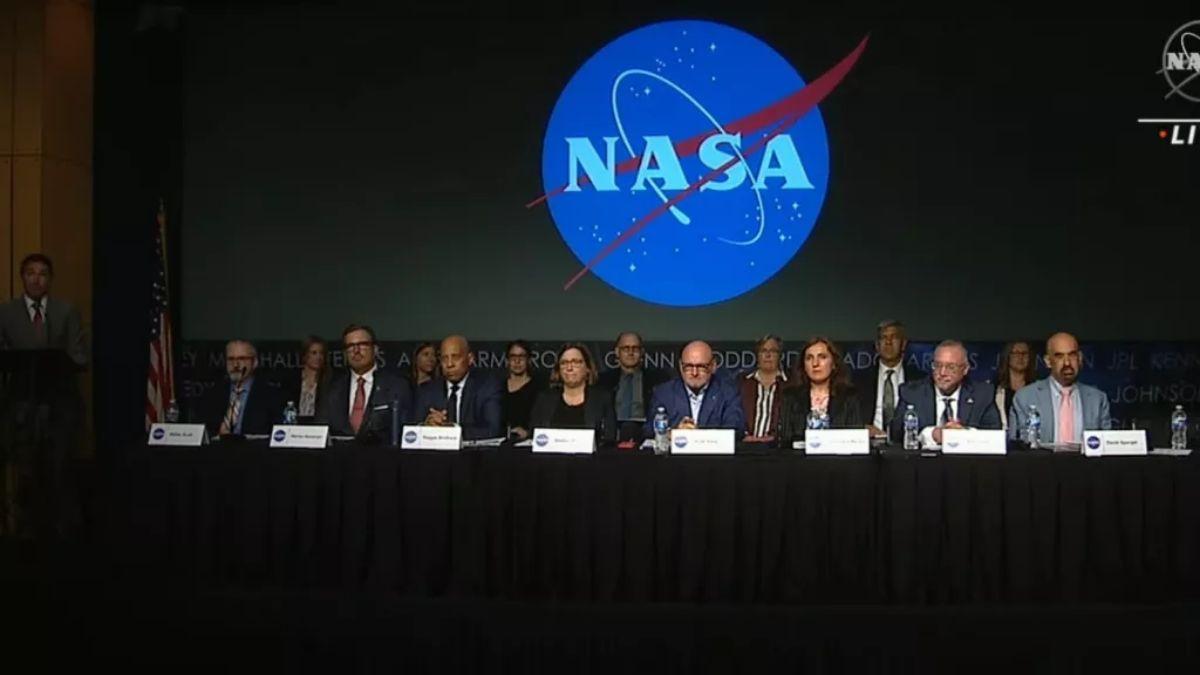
160 378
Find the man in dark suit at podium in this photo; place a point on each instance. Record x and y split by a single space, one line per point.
462 395
42 425
242 404
359 400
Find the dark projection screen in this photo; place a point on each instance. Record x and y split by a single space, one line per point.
987 175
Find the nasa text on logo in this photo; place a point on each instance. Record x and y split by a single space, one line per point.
410 436
1093 442
280 434
542 440
681 441
159 434
1179 65
683 146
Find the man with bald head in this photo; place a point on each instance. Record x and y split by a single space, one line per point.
697 399
1067 406
460 395
947 399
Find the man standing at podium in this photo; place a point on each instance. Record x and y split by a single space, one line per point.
42 424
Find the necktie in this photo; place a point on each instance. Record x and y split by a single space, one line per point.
452 404
889 399
1066 417
948 411
360 404
233 412
626 388
39 327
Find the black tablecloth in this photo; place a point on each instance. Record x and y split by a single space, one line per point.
500 523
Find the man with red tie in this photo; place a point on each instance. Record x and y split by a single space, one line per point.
35 321
358 401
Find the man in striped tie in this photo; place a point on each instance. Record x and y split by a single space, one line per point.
242 404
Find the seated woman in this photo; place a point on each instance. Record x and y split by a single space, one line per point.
425 366
821 384
519 392
312 380
573 401
1016 369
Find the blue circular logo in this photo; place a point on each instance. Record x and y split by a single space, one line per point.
680 442
542 440
674 168
814 444
159 434
280 435
1093 442
952 444
410 437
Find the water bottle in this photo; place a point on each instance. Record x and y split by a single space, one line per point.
1178 429
818 419
289 413
662 432
1033 428
172 413
912 429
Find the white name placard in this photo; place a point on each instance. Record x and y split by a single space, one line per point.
837 442
417 437
299 436
1114 443
572 441
167 433
702 442
974 442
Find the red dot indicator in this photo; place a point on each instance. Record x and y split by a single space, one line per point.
1162 133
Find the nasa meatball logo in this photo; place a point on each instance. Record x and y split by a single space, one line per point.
1093 442
681 442
280 435
410 436
683 147
159 434
542 440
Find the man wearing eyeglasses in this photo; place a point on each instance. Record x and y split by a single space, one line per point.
697 399
1067 406
461 395
947 399
360 399
242 404
631 385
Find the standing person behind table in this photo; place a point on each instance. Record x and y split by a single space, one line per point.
879 387
424 365
631 384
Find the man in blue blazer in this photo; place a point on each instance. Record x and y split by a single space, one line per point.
1061 392
358 401
947 399
697 399
462 396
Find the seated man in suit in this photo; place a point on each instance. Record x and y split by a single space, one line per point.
630 384
948 400
359 400
1067 407
242 403
697 399
878 387
471 399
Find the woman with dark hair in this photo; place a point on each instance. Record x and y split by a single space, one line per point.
425 366
1016 369
574 401
821 384
312 379
520 391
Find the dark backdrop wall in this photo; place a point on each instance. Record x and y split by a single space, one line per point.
988 175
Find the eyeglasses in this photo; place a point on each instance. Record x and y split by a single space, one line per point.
696 367
574 363
351 346
947 367
239 359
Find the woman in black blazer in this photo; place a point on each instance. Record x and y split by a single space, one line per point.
821 383
573 401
